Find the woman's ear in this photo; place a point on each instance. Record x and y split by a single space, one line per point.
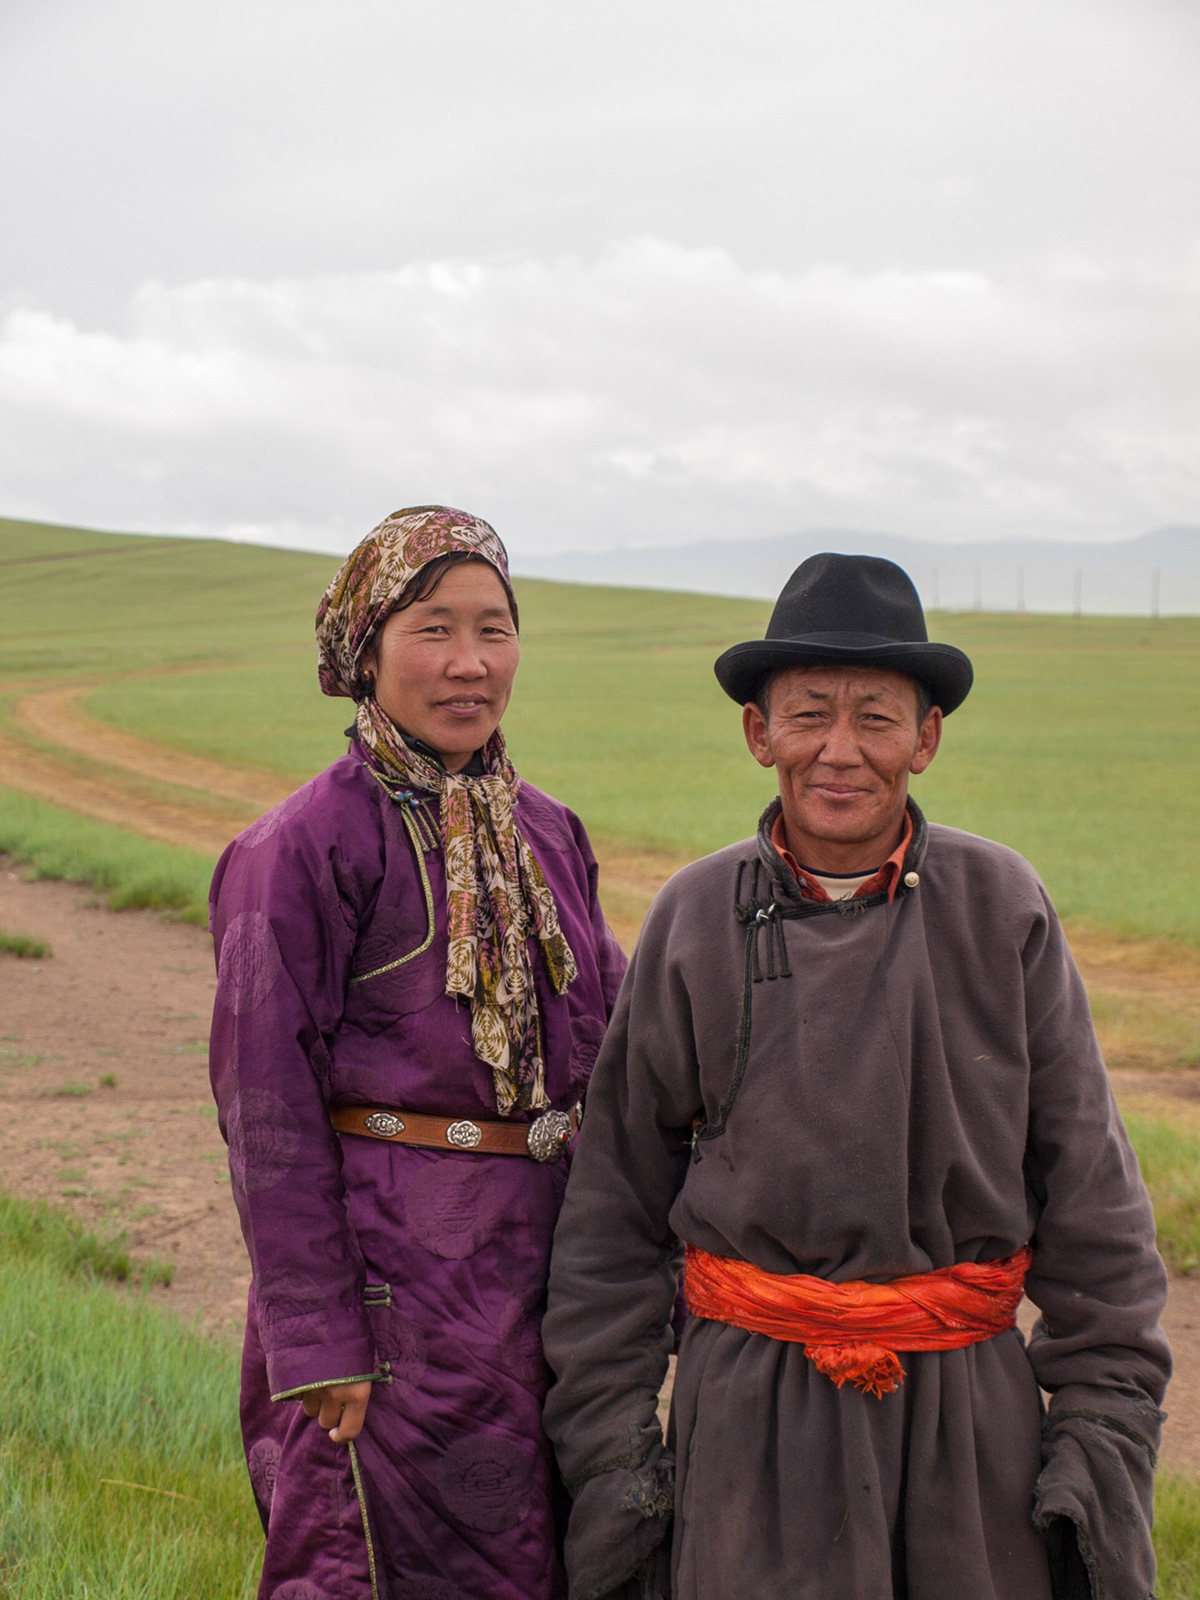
368 666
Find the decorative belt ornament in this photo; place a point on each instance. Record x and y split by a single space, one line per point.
549 1135
464 1135
384 1123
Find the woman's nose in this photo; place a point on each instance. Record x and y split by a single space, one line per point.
466 662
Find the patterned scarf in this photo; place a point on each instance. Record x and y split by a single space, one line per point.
497 896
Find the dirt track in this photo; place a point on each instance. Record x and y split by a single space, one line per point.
129 995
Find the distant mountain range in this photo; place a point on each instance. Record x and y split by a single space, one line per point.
1128 577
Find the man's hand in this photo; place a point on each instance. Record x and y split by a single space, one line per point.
340 1409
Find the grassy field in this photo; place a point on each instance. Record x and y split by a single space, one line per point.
120 1467
128 871
1080 745
1169 1156
121 1474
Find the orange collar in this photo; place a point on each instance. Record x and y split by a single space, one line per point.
885 880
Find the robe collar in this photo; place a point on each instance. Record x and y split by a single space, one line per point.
892 882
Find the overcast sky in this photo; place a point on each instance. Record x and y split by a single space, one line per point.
623 273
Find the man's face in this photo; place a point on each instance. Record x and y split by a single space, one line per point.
843 740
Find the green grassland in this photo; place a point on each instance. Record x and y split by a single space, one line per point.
1080 745
121 1473
1169 1157
120 1465
54 843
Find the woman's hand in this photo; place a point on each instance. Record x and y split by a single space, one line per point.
340 1409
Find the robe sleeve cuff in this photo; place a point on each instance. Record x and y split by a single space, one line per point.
294 1372
620 1528
1098 1474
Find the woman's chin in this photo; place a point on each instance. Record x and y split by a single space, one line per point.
458 738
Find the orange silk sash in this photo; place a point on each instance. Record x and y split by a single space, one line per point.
851 1331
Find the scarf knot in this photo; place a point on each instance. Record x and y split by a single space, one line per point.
497 899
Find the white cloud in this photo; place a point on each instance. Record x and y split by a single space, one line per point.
651 393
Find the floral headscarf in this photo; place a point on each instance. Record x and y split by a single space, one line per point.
373 576
497 896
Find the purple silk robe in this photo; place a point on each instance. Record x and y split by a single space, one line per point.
424 1269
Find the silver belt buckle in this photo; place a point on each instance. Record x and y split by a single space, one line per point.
548 1136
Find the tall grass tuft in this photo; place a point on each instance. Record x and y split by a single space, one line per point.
128 871
1177 1537
121 1472
31 1230
1170 1162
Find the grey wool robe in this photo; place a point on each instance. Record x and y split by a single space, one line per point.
920 1084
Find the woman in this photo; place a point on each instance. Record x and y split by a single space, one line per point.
414 976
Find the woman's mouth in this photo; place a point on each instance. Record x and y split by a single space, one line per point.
464 707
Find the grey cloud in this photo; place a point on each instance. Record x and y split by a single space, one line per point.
298 136
648 394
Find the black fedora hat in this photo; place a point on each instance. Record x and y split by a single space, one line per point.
848 611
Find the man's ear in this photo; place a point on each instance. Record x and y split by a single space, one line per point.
928 740
754 726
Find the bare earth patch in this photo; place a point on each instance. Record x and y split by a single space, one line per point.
126 996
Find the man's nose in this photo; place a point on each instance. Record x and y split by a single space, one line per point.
841 744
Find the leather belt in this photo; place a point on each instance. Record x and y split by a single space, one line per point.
544 1139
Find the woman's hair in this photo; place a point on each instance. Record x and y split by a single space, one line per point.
425 583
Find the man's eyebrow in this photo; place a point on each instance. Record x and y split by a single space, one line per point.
871 696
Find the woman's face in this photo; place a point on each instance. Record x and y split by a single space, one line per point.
444 667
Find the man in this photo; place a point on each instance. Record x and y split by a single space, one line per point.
853 1070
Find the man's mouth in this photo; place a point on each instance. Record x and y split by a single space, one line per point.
839 794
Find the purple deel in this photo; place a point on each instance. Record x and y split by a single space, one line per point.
425 1267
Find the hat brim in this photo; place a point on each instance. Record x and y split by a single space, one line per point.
944 670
